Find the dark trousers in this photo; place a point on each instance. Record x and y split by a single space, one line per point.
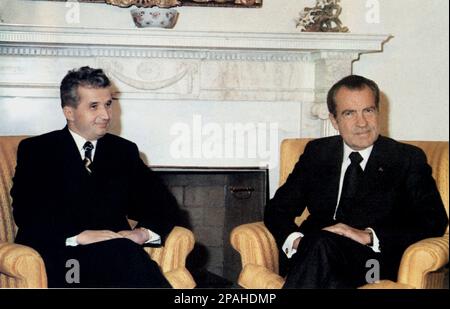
325 260
117 263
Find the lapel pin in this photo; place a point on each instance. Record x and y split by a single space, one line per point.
380 169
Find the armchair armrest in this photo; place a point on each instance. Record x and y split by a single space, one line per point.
421 258
259 277
180 278
386 284
259 256
256 246
172 257
23 264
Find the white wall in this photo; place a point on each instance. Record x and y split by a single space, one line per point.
413 69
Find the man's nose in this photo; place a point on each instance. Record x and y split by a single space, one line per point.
361 121
105 113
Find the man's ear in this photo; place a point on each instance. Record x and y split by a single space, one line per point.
68 113
334 122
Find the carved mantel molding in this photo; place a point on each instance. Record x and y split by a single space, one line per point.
298 42
181 65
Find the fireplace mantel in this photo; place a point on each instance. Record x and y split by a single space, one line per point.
148 64
20 35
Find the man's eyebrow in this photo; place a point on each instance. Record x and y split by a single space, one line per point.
97 102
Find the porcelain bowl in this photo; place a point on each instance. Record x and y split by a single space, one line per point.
154 17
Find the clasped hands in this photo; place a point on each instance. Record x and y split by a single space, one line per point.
360 236
139 236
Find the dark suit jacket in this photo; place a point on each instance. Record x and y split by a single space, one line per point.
398 197
54 197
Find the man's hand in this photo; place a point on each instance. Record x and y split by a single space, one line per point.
139 236
90 236
361 236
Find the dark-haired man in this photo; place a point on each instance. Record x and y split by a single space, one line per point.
75 188
369 198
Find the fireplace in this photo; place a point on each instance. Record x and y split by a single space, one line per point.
213 201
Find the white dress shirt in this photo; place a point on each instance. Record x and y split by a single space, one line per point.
80 141
365 154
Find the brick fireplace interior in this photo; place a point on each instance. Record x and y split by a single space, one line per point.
213 201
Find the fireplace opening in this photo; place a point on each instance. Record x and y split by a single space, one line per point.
213 201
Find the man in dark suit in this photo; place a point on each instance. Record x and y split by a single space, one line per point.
74 190
369 198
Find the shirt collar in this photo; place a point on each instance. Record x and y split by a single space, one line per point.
365 153
80 141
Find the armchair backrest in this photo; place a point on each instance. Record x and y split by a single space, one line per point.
8 156
437 156
290 152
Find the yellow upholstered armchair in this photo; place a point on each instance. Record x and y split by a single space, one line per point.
22 267
422 265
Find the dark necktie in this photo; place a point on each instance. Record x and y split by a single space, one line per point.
352 179
88 156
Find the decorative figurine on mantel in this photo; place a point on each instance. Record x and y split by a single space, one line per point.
324 17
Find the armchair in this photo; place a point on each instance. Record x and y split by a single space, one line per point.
23 267
422 265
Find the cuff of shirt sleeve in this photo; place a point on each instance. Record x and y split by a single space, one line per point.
71 241
289 242
153 238
376 242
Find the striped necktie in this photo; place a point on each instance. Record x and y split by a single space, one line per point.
88 156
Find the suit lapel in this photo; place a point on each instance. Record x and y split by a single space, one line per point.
72 165
376 168
327 174
337 154
101 156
